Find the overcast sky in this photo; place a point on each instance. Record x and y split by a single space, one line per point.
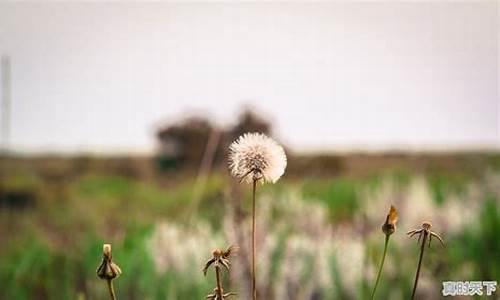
100 77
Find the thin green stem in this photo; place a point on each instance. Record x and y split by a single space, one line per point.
111 289
381 266
422 248
254 290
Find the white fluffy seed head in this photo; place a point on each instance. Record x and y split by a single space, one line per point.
254 156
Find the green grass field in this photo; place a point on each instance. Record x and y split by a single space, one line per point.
319 233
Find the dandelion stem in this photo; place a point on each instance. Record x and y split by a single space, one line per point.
111 289
219 284
254 290
422 248
381 266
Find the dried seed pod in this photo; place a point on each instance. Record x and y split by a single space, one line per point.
108 269
220 258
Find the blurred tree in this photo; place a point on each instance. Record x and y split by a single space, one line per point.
249 122
184 144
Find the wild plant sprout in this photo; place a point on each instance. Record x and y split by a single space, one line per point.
108 270
255 157
220 258
423 233
388 228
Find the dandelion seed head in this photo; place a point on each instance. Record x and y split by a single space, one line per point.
255 156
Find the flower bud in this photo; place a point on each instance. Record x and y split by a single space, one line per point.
389 227
107 269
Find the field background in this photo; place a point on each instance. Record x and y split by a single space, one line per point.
116 117
319 233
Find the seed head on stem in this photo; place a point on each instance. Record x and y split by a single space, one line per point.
255 157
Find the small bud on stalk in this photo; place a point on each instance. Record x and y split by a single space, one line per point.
389 227
108 270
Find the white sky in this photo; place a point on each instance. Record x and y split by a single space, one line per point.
100 77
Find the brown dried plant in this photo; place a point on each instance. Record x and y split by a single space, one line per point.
220 258
423 232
